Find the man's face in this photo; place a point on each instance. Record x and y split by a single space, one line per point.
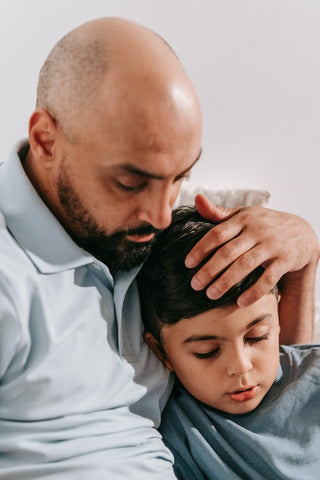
228 357
120 250
116 185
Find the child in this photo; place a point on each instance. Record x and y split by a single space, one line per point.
239 410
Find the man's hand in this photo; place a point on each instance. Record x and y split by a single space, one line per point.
246 238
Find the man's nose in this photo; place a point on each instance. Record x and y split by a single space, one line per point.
157 209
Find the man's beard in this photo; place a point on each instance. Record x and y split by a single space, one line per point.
114 250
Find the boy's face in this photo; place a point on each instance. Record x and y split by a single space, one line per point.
227 357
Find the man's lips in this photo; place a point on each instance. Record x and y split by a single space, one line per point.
241 395
140 238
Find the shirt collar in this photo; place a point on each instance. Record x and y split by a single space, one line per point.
32 224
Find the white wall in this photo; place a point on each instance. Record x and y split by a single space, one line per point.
255 64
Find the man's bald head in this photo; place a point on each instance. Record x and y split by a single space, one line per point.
117 128
72 75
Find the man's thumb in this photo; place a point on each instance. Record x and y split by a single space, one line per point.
212 212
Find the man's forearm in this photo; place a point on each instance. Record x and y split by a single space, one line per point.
296 308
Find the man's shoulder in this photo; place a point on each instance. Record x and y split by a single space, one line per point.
3 224
14 262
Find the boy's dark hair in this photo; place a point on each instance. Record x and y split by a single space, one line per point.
165 281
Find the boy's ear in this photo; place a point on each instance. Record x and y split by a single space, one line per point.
157 349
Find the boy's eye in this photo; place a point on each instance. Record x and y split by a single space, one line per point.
257 339
211 354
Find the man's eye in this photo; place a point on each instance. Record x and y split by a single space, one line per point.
211 354
182 177
131 188
257 339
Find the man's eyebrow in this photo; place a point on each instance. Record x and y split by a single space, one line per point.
128 168
203 338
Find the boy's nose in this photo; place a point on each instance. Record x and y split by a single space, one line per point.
238 363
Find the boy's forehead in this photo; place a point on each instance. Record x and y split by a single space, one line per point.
216 322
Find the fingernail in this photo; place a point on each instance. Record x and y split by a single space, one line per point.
190 262
242 302
196 284
213 293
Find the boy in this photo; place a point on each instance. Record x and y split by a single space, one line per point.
238 411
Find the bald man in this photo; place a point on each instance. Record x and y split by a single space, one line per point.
116 129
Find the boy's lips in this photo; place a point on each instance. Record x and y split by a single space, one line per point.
243 394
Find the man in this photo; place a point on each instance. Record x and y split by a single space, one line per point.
116 129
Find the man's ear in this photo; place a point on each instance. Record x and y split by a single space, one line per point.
42 136
157 349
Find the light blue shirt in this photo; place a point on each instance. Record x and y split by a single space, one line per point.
80 391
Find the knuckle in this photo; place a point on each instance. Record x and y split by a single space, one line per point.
220 235
223 285
270 278
246 213
247 262
256 293
226 252
206 274
199 252
254 216
258 290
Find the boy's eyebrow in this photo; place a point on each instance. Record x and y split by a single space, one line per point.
127 167
202 338
258 320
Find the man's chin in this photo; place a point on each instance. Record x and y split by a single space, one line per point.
133 255
119 252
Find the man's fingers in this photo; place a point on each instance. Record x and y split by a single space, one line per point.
214 213
225 257
263 285
250 237
241 268
217 236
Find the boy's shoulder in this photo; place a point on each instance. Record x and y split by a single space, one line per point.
181 421
300 356
300 349
300 362
181 413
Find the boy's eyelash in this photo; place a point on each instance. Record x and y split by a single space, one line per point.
203 356
257 339
213 353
